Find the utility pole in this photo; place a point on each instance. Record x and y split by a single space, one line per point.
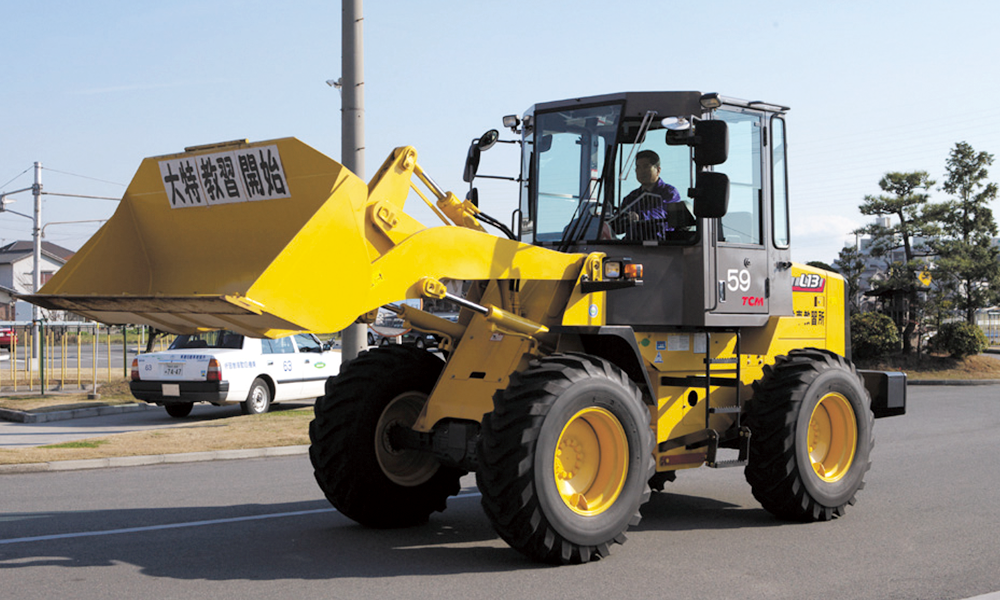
36 276
352 139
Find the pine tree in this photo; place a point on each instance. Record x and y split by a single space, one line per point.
967 254
852 266
905 198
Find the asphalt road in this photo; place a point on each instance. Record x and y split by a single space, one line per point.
926 527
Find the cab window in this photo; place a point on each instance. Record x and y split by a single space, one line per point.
571 154
742 223
779 183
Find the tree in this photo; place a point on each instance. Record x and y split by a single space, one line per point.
905 198
966 251
821 265
851 265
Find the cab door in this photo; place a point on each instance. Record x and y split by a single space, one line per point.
741 267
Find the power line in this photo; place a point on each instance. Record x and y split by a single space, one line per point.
82 176
18 175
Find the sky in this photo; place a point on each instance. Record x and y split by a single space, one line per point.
89 89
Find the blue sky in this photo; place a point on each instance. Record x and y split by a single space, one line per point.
91 88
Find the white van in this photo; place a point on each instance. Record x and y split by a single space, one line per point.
223 367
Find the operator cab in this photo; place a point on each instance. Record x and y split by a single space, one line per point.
709 222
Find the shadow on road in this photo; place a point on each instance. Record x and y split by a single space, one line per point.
212 543
677 512
322 545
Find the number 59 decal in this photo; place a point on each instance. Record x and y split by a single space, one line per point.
738 279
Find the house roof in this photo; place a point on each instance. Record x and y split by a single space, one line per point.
15 251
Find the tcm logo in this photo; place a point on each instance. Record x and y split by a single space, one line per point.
753 301
808 282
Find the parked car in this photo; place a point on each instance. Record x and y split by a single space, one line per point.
412 338
8 337
223 367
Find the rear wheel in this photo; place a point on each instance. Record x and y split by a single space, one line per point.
258 400
179 410
357 468
564 459
811 424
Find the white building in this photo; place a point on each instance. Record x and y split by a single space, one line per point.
17 265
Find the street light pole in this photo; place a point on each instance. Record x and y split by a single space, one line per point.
352 139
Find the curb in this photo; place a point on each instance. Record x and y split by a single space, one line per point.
18 416
157 459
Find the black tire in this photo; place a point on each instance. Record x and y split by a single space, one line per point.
258 399
539 503
811 436
364 478
179 410
659 480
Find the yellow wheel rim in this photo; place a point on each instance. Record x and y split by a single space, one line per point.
591 461
833 437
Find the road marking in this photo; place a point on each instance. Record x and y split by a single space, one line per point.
84 534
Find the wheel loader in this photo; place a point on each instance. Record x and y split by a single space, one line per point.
599 349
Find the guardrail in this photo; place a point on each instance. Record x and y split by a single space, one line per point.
71 356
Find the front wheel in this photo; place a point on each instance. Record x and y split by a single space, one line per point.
811 424
564 459
355 464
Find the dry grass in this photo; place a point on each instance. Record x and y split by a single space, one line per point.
983 366
284 428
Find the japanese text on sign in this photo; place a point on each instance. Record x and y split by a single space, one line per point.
224 177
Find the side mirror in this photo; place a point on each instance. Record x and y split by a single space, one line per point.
471 163
711 143
483 142
473 196
488 139
710 194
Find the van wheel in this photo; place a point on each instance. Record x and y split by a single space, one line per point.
179 410
258 400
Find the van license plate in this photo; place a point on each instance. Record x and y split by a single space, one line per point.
173 369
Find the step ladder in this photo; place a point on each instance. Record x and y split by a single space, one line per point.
712 440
